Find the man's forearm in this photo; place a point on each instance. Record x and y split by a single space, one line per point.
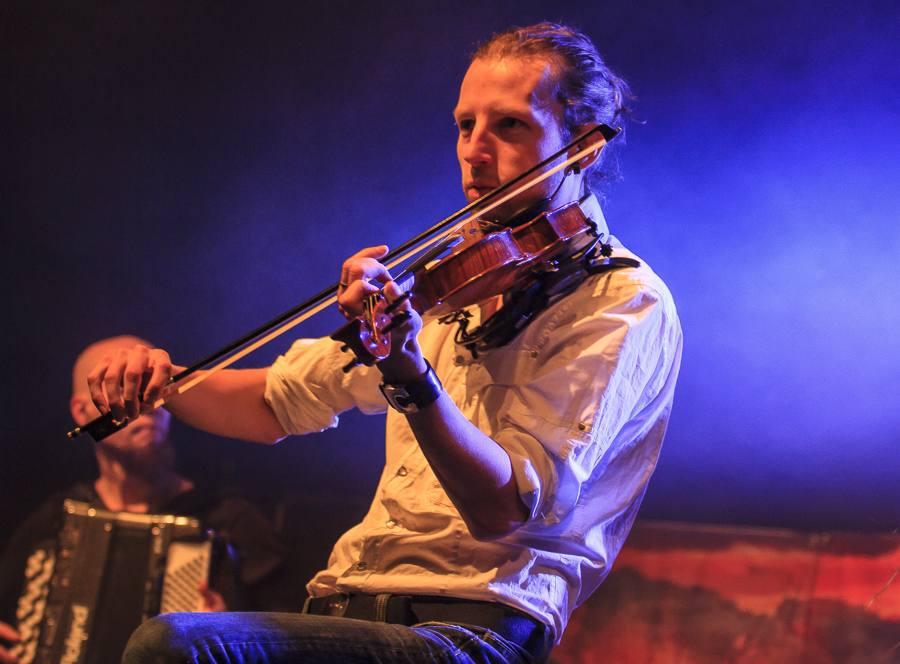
473 469
230 403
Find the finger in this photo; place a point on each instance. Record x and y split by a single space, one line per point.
367 269
7 633
350 301
212 601
95 384
160 367
364 265
112 383
398 296
405 320
369 252
132 378
6 657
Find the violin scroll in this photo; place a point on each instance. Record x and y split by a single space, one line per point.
369 335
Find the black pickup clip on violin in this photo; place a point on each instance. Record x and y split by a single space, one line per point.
480 265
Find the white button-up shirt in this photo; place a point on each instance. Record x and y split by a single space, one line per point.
579 400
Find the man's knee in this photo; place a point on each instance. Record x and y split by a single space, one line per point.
159 640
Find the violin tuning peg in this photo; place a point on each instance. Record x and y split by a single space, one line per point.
399 319
392 307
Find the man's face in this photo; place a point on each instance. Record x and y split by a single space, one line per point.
146 434
508 121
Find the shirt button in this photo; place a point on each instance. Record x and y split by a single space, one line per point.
402 471
360 567
391 523
534 353
459 360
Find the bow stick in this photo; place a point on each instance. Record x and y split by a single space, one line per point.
101 427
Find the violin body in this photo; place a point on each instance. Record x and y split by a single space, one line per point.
486 265
481 267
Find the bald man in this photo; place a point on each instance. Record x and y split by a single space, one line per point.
137 474
136 463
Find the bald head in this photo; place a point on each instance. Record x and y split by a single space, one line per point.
140 450
92 354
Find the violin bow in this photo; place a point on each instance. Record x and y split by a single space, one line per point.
101 427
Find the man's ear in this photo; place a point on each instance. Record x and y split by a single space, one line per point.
591 157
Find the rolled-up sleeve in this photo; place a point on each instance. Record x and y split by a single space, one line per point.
591 382
307 388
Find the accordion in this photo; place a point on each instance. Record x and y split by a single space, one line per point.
109 572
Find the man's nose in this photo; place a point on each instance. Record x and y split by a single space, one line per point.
478 148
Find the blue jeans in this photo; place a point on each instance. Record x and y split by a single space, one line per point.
282 638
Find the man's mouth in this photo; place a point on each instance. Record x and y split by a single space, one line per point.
477 189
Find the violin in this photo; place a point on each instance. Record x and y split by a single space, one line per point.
480 267
485 265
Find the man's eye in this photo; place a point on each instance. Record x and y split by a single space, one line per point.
465 126
511 123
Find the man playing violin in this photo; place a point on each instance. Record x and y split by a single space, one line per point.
513 473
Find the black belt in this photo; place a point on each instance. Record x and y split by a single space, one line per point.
513 625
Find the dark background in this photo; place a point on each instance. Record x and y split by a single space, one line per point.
185 171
